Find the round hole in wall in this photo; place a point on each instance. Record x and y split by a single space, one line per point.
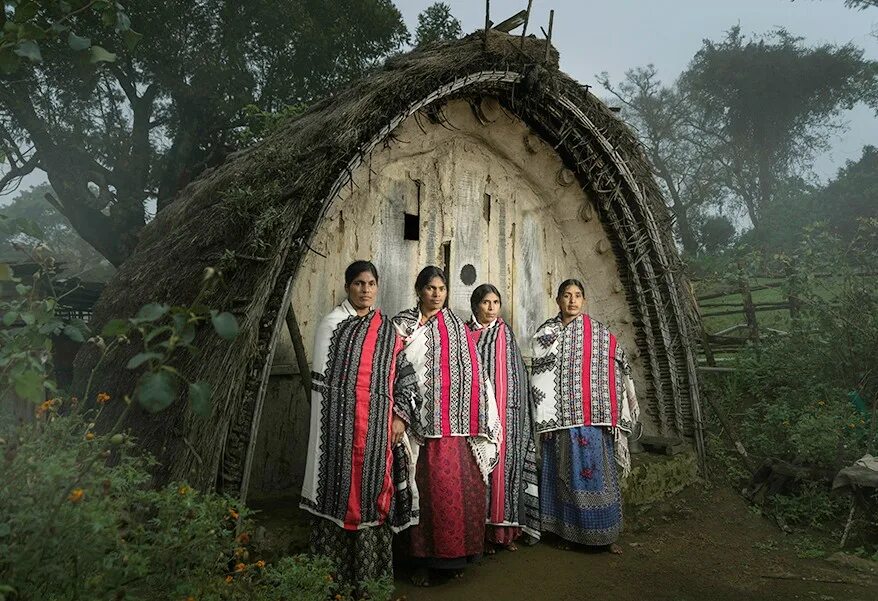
468 274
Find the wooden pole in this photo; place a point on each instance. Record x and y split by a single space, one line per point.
299 348
749 309
549 37
487 21
526 19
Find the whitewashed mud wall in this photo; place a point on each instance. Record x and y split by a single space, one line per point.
492 200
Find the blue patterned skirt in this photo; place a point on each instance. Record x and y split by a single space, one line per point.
580 499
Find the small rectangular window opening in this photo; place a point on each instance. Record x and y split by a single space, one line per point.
411 227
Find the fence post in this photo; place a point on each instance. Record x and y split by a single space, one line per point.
749 309
793 293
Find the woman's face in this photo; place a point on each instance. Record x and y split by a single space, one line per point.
571 301
362 291
488 308
432 296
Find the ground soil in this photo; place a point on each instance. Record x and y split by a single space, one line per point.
705 544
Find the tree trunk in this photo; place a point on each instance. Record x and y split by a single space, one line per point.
679 209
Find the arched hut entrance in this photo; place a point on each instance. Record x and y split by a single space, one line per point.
483 159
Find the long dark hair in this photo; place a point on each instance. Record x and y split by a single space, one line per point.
480 293
358 267
570 282
428 273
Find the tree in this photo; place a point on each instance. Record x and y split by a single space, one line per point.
716 233
769 104
124 106
664 118
851 196
436 24
75 254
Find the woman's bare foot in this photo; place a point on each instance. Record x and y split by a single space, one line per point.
563 545
490 549
421 577
614 549
457 574
511 547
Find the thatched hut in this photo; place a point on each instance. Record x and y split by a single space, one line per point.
477 155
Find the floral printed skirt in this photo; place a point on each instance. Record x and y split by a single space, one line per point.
580 499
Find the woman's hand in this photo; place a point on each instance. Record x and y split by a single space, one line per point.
397 429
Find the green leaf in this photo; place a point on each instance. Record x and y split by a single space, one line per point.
131 39
199 396
4 529
30 50
21 289
77 43
5 272
151 312
115 327
109 17
73 333
100 55
9 318
141 358
25 11
8 62
157 390
29 386
225 325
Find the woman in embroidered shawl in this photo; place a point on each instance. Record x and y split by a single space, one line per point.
358 481
513 503
584 407
457 426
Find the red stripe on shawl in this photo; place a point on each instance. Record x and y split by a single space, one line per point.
497 504
444 375
387 486
362 394
586 370
614 405
475 392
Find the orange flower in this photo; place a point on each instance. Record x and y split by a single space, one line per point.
328 578
338 597
190 598
244 538
240 567
44 407
229 579
103 397
76 495
184 490
239 551
260 564
89 435
233 513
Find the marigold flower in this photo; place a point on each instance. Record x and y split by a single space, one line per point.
89 435
43 408
184 490
338 597
229 579
233 513
244 538
260 564
240 567
103 397
76 495
239 551
190 598
328 578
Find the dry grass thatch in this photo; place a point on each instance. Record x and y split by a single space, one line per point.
252 217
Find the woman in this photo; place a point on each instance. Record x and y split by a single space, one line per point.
457 426
356 483
513 503
584 407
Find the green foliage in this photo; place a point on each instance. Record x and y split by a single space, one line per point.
75 527
716 232
436 24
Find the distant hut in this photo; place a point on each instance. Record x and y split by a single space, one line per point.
478 156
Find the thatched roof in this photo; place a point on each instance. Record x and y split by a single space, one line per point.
252 217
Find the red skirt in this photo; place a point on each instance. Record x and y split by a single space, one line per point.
452 499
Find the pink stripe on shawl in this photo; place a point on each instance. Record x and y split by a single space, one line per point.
497 504
387 486
586 369
475 393
614 405
444 375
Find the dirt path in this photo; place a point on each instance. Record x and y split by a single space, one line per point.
704 545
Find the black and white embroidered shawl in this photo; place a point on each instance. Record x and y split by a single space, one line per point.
353 475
